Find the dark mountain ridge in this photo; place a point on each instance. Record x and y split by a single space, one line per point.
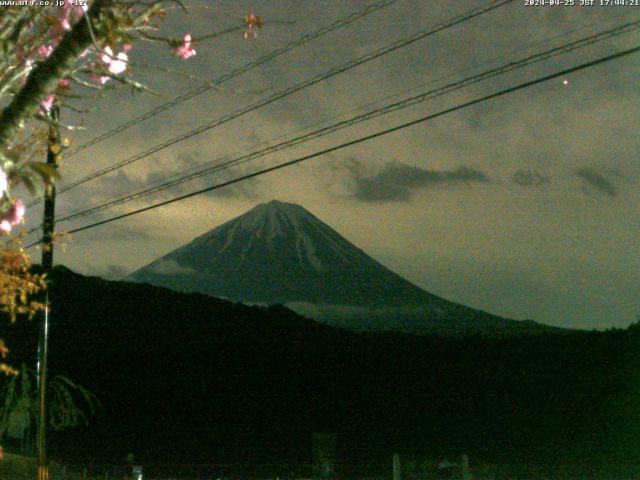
190 378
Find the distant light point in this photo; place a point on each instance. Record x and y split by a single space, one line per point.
565 82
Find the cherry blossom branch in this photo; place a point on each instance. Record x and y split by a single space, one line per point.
48 120
43 79
177 73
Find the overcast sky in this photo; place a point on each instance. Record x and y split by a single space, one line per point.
525 206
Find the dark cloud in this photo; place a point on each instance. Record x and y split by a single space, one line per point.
249 189
119 183
183 163
187 163
528 178
596 180
396 181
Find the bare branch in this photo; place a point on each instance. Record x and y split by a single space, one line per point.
47 119
86 84
174 42
177 74
135 84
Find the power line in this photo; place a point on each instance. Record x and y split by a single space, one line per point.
234 73
404 103
228 76
397 94
289 91
513 65
372 136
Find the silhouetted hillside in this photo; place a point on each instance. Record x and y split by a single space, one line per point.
190 378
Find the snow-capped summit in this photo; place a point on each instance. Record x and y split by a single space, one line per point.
285 230
277 253
281 253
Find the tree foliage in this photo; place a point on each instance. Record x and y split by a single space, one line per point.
54 58
44 52
70 405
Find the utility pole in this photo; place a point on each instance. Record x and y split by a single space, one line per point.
53 150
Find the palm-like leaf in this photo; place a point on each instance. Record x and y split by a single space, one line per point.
69 404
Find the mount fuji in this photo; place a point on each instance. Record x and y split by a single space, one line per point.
280 253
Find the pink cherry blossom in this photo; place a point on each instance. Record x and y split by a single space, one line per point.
101 79
107 55
70 13
185 50
252 22
67 15
64 82
17 212
65 24
47 103
117 64
22 56
12 216
45 50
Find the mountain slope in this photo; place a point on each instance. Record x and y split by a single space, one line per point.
281 253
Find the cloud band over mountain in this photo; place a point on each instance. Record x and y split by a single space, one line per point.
397 181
